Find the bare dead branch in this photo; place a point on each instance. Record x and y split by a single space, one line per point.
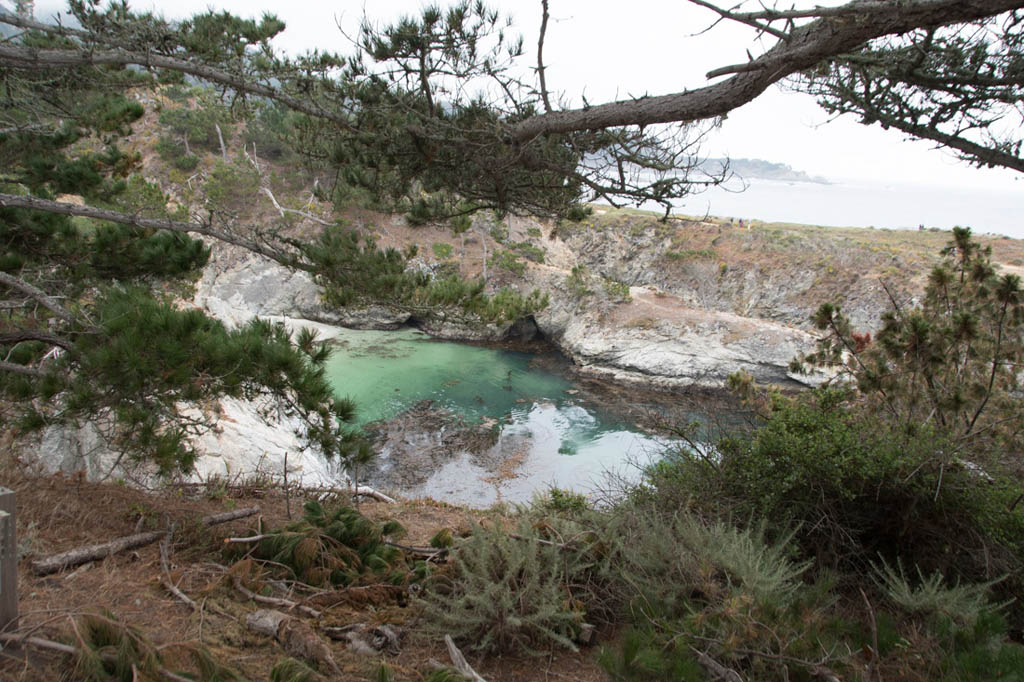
21 369
35 293
540 56
81 555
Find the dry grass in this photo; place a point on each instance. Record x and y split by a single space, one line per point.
56 513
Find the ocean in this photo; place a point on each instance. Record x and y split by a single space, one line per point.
895 205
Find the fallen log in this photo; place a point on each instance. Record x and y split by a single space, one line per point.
80 555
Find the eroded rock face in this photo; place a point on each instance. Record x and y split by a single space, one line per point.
237 286
246 442
657 340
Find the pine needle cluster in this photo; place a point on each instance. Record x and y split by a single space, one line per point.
109 650
338 546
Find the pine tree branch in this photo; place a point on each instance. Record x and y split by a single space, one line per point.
540 57
21 369
34 335
37 294
63 208
33 25
806 46
28 58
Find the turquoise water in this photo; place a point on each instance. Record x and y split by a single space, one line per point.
569 443
388 372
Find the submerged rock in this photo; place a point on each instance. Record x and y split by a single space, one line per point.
417 442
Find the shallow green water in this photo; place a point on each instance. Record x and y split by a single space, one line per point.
571 444
387 372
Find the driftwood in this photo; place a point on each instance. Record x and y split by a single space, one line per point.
81 555
717 670
358 491
459 661
425 552
296 637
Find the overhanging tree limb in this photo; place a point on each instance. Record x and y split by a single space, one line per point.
16 57
64 208
807 46
977 153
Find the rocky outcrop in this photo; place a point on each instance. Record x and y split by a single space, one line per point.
242 445
657 339
771 275
238 285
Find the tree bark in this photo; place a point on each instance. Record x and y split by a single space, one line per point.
460 662
36 294
81 555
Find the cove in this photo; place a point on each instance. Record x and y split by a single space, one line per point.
546 431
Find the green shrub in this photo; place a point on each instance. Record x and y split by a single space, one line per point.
576 282
199 125
186 163
230 186
507 594
507 260
499 233
337 546
854 488
691 254
442 250
578 213
643 654
109 650
931 596
558 500
529 252
617 291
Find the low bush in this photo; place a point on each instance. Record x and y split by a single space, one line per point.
442 250
230 185
507 260
529 252
854 489
576 282
617 291
508 594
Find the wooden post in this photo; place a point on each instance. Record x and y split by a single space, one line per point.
8 562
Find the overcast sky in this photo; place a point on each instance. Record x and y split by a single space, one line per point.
600 50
